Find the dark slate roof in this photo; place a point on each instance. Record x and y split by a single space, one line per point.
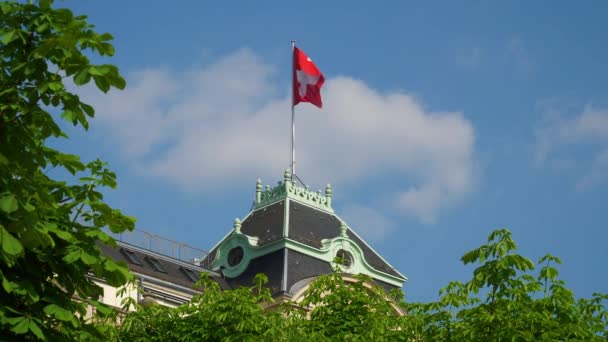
176 270
310 226
266 223
270 265
301 266
371 257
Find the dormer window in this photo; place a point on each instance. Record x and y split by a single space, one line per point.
345 258
235 256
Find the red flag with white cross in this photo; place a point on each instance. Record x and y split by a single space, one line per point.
307 79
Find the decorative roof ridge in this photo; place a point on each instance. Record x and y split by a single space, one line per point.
288 189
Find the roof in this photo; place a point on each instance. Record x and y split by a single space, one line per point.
311 226
158 266
291 234
265 223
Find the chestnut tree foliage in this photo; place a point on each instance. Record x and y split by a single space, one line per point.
508 298
48 226
49 229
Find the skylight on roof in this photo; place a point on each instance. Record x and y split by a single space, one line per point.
156 264
190 274
131 256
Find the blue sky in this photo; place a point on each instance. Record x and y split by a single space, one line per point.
442 122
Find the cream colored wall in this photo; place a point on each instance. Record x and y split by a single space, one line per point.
110 294
111 297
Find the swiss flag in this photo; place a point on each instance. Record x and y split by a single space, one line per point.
307 80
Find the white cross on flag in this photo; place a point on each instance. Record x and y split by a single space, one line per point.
307 80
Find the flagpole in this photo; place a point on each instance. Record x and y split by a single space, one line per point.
293 114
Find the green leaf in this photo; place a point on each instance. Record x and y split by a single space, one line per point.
77 253
42 27
99 70
116 273
37 237
59 312
8 37
8 285
471 256
105 37
102 309
28 324
29 207
82 77
119 82
62 234
55 86
73 255
17 323
8 203
70 115
71 162
100 235
34 328
22 327
88 109
10 245
102 83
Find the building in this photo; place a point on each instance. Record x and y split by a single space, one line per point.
291 234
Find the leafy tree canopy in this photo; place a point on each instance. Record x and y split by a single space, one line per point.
507 299
49 227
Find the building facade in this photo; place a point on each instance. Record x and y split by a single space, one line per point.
292 235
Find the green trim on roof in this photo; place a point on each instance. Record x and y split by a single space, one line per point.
288 189
326 253
370 247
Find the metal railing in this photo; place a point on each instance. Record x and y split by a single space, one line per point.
164 246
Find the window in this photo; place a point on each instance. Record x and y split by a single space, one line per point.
344 258
235 256
156 264
190 274
131 256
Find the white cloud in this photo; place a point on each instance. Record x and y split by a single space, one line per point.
589 129
224 124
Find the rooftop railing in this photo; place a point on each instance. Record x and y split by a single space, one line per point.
163 246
